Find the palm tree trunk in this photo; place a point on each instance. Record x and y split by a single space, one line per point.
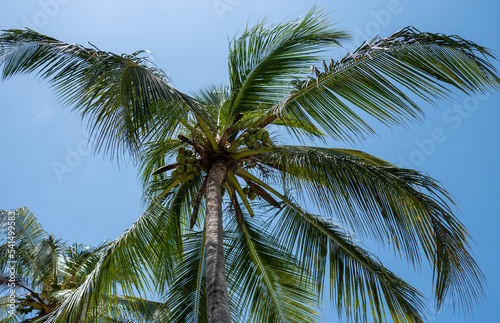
217 298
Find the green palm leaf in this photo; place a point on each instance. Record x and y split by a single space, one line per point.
428 65
5 317
155 155
78 262
356 278
125 265
300 129
133 309
388 203
216 99
263 60
122 97
186 300
27 235
267 281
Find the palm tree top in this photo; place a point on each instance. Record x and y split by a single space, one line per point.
277 80
47 270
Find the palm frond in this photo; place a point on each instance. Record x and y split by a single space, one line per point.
356 279
178 211
78 262
300 129
404 207
186 300
125 98
216 100
5 316
134 309
7 282
263 60
26 235
233 182
46 259
267 282
373 78
125 264
155 155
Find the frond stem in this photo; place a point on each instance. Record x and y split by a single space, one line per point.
234 183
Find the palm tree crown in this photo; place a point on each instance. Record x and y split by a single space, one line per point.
214 160
46 270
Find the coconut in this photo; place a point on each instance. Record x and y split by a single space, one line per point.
188 152
175 173
181 168
246 190
189 167
252 138
182 150
252 196
265 136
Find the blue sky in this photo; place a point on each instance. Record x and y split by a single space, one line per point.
80 196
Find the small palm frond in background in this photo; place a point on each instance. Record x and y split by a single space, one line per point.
48 272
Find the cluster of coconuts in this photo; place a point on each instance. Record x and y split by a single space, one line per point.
249 193
24 309
188 165
256 138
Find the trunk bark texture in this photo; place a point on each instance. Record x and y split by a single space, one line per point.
217 298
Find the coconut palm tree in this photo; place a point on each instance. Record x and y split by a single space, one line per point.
42 271
227 196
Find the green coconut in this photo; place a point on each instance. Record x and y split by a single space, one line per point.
175 173
246 190
182 150
181 168
181 159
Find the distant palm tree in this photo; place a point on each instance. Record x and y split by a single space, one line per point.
46 270
220 148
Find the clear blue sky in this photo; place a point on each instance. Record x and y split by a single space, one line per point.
46 165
